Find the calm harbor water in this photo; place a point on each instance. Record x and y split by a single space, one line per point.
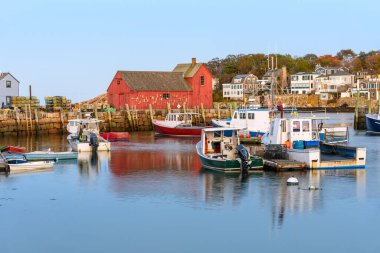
151 195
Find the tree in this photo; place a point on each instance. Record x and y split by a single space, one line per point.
373 63
310 58
328 60
345 53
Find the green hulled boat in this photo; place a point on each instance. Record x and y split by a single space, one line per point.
217 150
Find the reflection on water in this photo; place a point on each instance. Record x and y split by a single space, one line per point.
151 183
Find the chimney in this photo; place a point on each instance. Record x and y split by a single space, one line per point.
193 61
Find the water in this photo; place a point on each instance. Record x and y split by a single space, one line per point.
151 195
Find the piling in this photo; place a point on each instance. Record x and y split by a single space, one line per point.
109 118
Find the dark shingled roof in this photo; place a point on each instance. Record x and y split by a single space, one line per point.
155 81
4 74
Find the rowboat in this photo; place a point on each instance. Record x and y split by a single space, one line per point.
49 155
12 149
115 136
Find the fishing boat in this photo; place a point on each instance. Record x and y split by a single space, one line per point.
178 124
115 136
50 155
373 123
84 136
300 135
17 163
253 122
218 148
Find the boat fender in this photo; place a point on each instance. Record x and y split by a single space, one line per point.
292 181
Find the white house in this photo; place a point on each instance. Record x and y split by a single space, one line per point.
9 87
235 89
303 82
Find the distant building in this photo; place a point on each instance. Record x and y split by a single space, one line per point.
281 79
9 87
189 83
215 83
303 82
326 71
333 81
241 86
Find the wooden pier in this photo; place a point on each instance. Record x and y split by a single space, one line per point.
283 165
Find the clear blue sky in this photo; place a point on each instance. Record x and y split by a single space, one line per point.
74 47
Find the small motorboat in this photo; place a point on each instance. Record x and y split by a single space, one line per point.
84 136
115 136
50 155
17 163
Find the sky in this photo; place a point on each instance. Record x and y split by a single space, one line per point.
73 48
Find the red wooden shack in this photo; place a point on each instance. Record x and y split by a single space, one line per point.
188 83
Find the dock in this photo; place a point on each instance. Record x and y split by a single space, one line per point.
283 165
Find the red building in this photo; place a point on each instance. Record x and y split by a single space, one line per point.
187 83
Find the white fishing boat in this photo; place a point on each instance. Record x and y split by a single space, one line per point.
84 136
301 136
254 120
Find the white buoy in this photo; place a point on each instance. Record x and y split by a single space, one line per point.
312 187
292 181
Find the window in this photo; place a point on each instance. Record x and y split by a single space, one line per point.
305 77
8 84
202 80
242 115
8 100
251 116
283 126
235 115
305 126
166 96
294 78
118 82
296 126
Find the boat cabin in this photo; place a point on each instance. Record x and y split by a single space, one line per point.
179 119
220 142
292 129
252 119
91 125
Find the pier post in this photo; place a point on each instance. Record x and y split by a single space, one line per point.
218 110
17 120
37 122
369 106
231 111
203 113
151 114
130 121
109 118
95 109
356 117
62 119
184 107
169 109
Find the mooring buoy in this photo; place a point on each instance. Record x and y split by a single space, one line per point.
292 181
